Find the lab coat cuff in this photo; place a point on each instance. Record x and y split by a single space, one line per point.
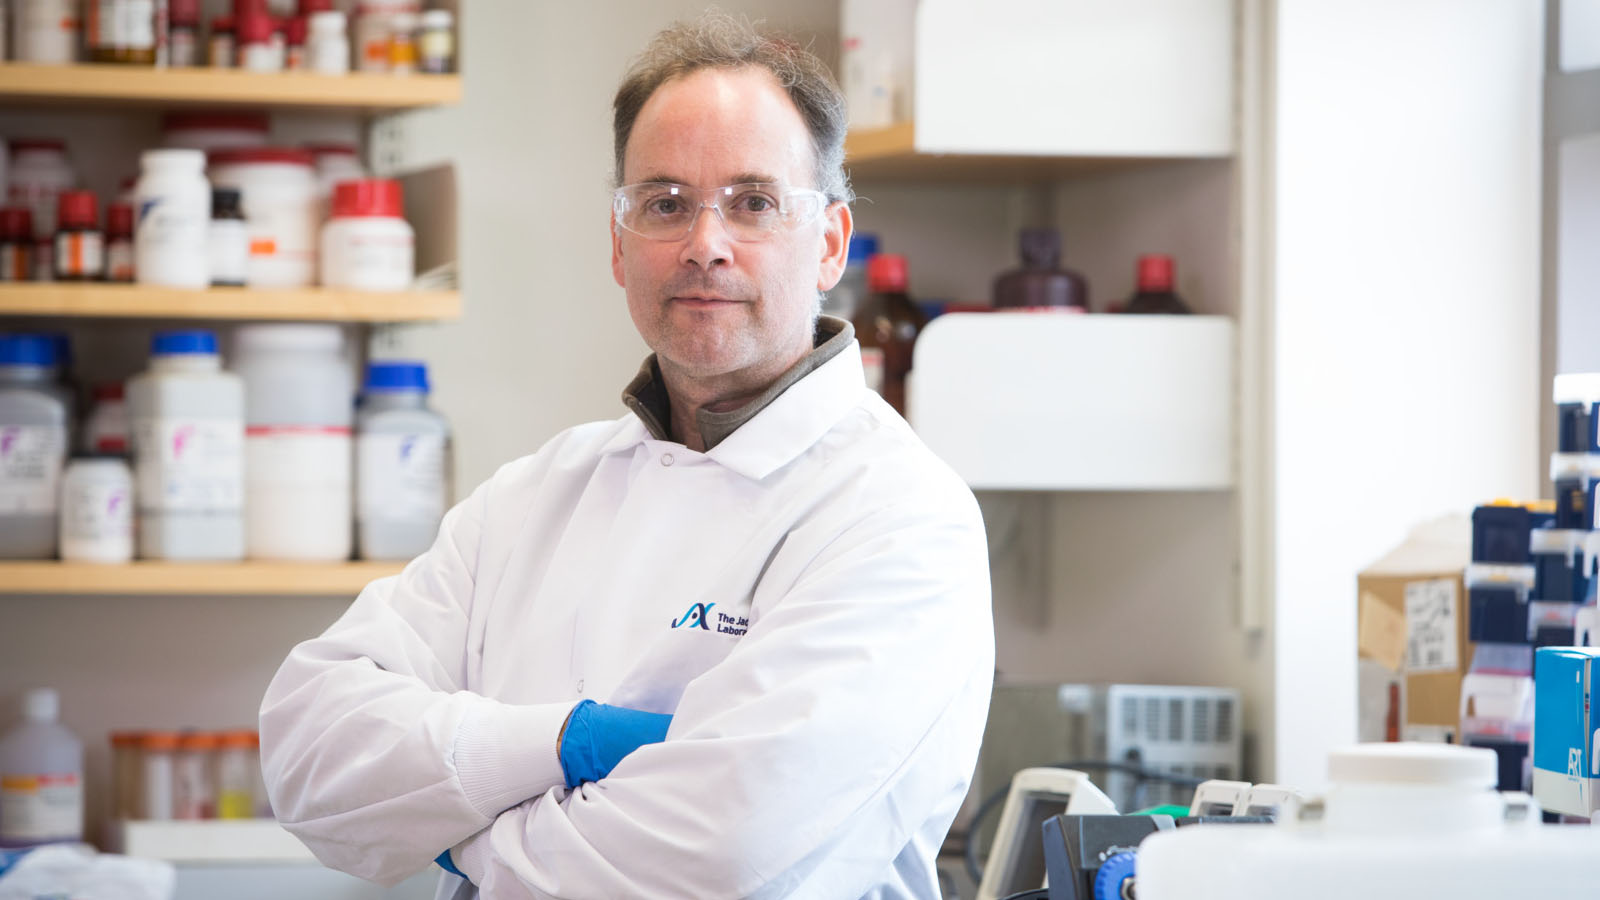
506 754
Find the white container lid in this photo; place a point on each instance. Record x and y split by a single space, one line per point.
1577 387
1557 540
330 22
1415 763
288 337
174 158
1573 465
41 705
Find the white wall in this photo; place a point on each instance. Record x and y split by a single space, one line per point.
1407 313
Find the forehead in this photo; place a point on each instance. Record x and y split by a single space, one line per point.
719 126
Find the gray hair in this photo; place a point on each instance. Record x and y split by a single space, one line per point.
719 41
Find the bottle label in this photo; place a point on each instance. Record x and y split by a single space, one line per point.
299 457
190 465
14 262
401 476
96 512
170 236
80 254
36 808
119 261
872 362
31 458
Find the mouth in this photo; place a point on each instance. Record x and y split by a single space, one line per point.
703 302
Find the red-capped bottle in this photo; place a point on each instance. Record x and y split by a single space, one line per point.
80 247
887 324
1155 295
16 243
119 242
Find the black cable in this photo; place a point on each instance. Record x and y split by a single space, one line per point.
969 850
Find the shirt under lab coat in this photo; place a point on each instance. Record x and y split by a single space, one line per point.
809 599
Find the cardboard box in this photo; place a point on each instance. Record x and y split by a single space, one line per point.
1412 620
1566 728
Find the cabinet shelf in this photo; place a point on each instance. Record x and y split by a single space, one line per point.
87 83
891 154
124 301
280 579
215 841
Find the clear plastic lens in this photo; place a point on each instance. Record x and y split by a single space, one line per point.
750 212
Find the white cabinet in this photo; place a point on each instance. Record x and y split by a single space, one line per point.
1139 78
1059 402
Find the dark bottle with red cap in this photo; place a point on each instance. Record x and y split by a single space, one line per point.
887 324
1041 283
80 247
119 242
16 243
1155 295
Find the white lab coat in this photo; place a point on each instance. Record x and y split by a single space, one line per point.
809 599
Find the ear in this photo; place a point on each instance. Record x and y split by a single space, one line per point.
616 253
837 227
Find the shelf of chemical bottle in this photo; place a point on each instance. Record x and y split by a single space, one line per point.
122 301
213 841
250 578
27 83
893 154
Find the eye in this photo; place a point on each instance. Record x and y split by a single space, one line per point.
664 205
754 203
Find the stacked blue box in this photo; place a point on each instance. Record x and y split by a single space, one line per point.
1497 692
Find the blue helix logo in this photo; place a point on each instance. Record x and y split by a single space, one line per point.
696 615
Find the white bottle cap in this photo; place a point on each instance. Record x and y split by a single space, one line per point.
41 705
1415 763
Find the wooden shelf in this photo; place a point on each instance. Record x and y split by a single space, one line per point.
210 841
360 91
122 301
891 154
281 579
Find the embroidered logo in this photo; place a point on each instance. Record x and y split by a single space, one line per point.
696 615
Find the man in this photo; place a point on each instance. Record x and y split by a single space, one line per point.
778 596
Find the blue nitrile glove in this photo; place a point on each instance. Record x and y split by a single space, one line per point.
446 864
599 736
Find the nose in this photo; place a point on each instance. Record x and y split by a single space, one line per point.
707 244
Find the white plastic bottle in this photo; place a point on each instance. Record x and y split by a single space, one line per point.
402 463
33 447
173 203
299 392
97 511
188 445
41 776
367 245
327 46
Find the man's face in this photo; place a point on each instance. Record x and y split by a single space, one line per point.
708 305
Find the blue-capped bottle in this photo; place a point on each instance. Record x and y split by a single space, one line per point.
188 450
34 420
402 463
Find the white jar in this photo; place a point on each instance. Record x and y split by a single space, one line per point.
299 397
214 131
39 173
47 31
173 200
188 446
279 195
327 46
97 511
367 245
402 463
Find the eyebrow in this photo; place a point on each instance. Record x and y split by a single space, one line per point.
741 178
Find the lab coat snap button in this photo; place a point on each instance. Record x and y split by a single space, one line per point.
666 459
580 685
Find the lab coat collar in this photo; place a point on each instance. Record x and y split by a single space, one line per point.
782 423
